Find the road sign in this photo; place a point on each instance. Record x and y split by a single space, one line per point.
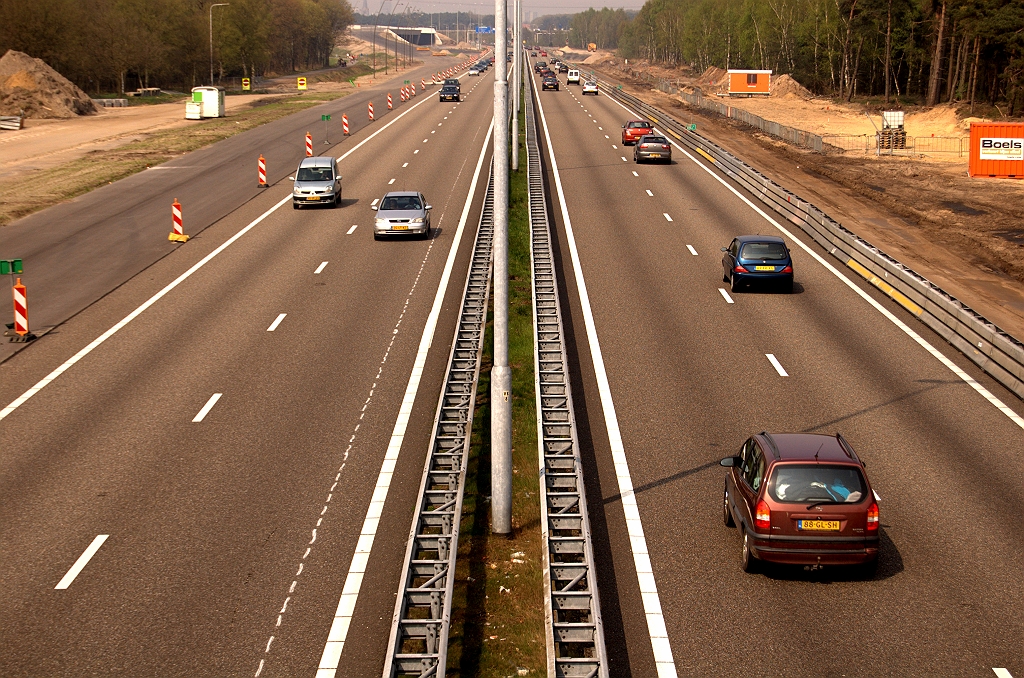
302 83
246 84
10 267
406 82
325 118
693 127
484 29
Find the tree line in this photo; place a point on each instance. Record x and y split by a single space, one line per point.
119 45
931 51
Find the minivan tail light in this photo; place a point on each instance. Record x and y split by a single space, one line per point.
763 516
873 517
643 145
788 269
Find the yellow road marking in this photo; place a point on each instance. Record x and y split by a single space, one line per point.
674 134
705 155
895 294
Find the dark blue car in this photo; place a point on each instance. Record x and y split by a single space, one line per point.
753 259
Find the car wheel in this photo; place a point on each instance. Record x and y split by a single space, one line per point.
725 274
734 284
296 205
747 559
726 513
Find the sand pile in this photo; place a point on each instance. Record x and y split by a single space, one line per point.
786 87
29 85
713 77
939 121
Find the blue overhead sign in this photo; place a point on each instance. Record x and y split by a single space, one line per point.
484 29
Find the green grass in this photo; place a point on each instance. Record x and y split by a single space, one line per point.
498 620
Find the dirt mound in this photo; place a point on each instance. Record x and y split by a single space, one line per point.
940 121
786 86
713 77
29 85
597 58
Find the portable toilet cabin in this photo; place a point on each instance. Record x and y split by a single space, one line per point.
207 102
749 83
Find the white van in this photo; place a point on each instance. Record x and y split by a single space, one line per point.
572 77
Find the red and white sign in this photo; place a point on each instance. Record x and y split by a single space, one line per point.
20 309
369 110
344 124
176 217
263 171
389 101
309 145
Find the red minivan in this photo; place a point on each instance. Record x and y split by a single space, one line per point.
801 499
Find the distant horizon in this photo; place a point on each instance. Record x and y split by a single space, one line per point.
477 7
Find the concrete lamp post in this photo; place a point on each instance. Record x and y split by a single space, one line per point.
216 4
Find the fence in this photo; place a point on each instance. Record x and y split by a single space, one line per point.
869 143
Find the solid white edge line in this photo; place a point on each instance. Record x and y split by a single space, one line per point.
82 561
353 581
206 408
921 341
637 541
321 267
352 230
725 295
776 364
273 325
42 383
692 251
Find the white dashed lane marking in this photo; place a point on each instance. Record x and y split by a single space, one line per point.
350 231
391 182
405 165
776 364
607 137
1002 673
82 561
277 321
207 407
649 193
416 151
624 159
692 251
667 217
375 201
725 295
635 174
323 265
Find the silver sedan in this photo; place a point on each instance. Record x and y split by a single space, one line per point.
402 213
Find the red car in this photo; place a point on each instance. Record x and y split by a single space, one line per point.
801 499
543 54
634 129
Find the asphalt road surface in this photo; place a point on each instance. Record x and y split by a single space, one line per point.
77 251
227 438
690 378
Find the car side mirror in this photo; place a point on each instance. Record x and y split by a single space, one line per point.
730 461
429 207
724 249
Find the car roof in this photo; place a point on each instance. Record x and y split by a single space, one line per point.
401 194
317 161
646 122
760 238
804 446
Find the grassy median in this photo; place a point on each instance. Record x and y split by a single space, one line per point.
498 619
44 188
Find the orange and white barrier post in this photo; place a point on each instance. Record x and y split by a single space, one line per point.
389 101
413 88
401 94
369 110
178 234
21 312
263 171
344 124
309 145
423 84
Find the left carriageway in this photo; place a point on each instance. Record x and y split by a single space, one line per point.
231 520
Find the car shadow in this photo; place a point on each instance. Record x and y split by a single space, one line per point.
348 202
769 289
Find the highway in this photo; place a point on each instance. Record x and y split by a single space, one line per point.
687 370
221 413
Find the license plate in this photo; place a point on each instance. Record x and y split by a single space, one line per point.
655 155
399 227
828 525
764 268
312 197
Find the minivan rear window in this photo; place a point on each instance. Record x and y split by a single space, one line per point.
764 250
315 174
799 483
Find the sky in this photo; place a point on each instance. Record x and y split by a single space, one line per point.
562 6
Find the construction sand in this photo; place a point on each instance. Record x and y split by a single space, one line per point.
30 88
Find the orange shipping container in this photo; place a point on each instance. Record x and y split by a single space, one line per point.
749 82
997 150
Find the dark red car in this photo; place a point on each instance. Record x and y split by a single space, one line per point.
801 499
634 129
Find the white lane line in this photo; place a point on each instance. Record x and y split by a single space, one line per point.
776 364
405 165
601 128
426 140
206 408
391 182
82 561
692 251
623 158
354 580
725 295
634 527
375 201
667 217
42 383
635 174
273 325
1002 673
607 137
352 230
433 131
321 267
416 151
649 193
917 338
615 147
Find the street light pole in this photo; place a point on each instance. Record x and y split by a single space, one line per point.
517 51
373 49
386 29
217 4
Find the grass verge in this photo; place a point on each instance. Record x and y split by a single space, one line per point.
38 190
498 619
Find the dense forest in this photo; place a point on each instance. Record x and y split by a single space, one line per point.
930 51
114 45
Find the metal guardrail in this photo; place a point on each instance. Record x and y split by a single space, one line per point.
574 631
996 352
10 122
418 644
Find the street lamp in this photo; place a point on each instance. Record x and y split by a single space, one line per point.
390 17
374 49
217 4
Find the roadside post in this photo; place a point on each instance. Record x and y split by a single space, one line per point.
309 144
262 169
369 110
344 124
327 137
246 85
18 330
301 84
389 101
178 234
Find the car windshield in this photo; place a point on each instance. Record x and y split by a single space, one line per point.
400 202
798 483
315 174
764 250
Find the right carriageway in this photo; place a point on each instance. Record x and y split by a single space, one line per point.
693 369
